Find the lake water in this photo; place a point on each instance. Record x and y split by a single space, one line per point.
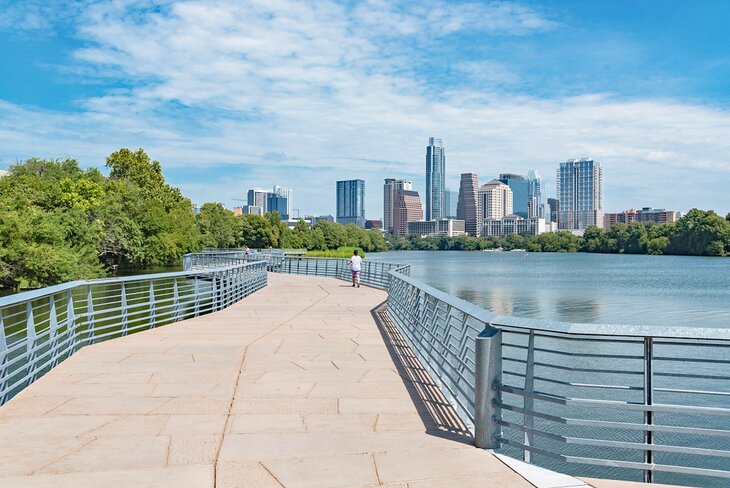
581 287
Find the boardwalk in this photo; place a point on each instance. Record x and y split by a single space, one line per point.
294 387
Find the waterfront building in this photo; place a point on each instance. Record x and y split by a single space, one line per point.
275 203
646 214
4 173
580 191
374 224
436 228
408 208
495 200
351 202
656 215
520 195
237 211
435 179
513 224
196 208
535 202
253 210
316 218
257 198
451 202
554 205
287 193
468 205
390 191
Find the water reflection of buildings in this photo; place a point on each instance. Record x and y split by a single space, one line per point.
503 301
578 309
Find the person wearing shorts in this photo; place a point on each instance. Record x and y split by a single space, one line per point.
355 266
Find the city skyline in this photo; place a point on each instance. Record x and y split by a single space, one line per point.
308 93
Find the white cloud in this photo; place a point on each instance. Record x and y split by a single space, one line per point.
304 93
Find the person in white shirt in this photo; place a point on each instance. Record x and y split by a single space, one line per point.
355 266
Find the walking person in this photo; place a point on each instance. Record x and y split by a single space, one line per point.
355 266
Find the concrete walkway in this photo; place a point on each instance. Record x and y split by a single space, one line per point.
292 387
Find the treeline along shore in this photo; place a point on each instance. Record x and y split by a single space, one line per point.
59 222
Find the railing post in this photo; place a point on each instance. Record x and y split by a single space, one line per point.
529 401
153 308
175 301
125 320
648 401
90 325
487 411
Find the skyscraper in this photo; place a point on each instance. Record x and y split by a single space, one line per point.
554 205
390 192
435 179
468 207
451 201
280 191
495 200
276 203
518 185
535 203
408 208
257 198
351 202
580 191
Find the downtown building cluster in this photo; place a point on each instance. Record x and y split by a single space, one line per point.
508 204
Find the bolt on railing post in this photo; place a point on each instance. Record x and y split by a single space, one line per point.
648 401
488 377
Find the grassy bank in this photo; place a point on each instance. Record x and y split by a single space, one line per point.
340 252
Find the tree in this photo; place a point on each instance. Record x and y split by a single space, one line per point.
218 227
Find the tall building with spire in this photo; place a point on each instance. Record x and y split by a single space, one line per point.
390 192
467 208
435 179
580 191
535 203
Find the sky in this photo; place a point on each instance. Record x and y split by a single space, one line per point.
234 95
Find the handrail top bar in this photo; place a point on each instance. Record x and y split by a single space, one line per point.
569 328
50 290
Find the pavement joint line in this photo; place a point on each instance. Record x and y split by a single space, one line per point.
266 468
37 471
241 368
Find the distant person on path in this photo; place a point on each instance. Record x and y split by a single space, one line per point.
355 266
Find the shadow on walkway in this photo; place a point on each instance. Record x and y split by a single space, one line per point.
439 417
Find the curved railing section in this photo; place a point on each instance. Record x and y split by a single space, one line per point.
40 328
602 400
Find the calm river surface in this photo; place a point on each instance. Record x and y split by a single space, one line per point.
581 287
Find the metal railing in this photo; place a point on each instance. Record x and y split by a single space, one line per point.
373 273
40 328
217 258
622 399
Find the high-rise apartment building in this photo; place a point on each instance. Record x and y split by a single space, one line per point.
351 202
390 192
554 208
275 203
435 179
468 206
520 194
495 200
408 208
580 191
287 193
257 198
535 203
451 201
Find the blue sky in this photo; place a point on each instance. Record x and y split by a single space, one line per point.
234 95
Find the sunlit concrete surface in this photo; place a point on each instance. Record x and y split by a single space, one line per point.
302 384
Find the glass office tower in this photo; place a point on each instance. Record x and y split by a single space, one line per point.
435 179
351 202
